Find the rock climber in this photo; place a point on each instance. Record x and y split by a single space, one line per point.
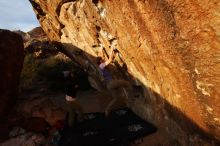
115 86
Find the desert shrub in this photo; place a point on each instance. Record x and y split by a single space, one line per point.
49 71
52 72
29 72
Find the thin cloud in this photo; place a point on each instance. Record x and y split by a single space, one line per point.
17 14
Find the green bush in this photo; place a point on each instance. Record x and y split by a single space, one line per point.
52 72
29 72
49 70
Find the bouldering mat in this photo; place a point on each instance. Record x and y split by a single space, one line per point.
120 127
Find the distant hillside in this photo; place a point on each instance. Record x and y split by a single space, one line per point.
37 33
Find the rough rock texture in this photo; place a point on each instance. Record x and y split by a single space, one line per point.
169 46
26 139
11 61
42 107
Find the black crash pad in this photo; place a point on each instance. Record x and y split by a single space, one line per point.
120 127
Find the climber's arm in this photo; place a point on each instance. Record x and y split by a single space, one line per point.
110 57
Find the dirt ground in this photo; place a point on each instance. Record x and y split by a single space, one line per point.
94 101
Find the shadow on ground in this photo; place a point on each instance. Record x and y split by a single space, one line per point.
94 104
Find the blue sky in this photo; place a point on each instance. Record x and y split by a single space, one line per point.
17 14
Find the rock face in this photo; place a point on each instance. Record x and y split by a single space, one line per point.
169 47
11 61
